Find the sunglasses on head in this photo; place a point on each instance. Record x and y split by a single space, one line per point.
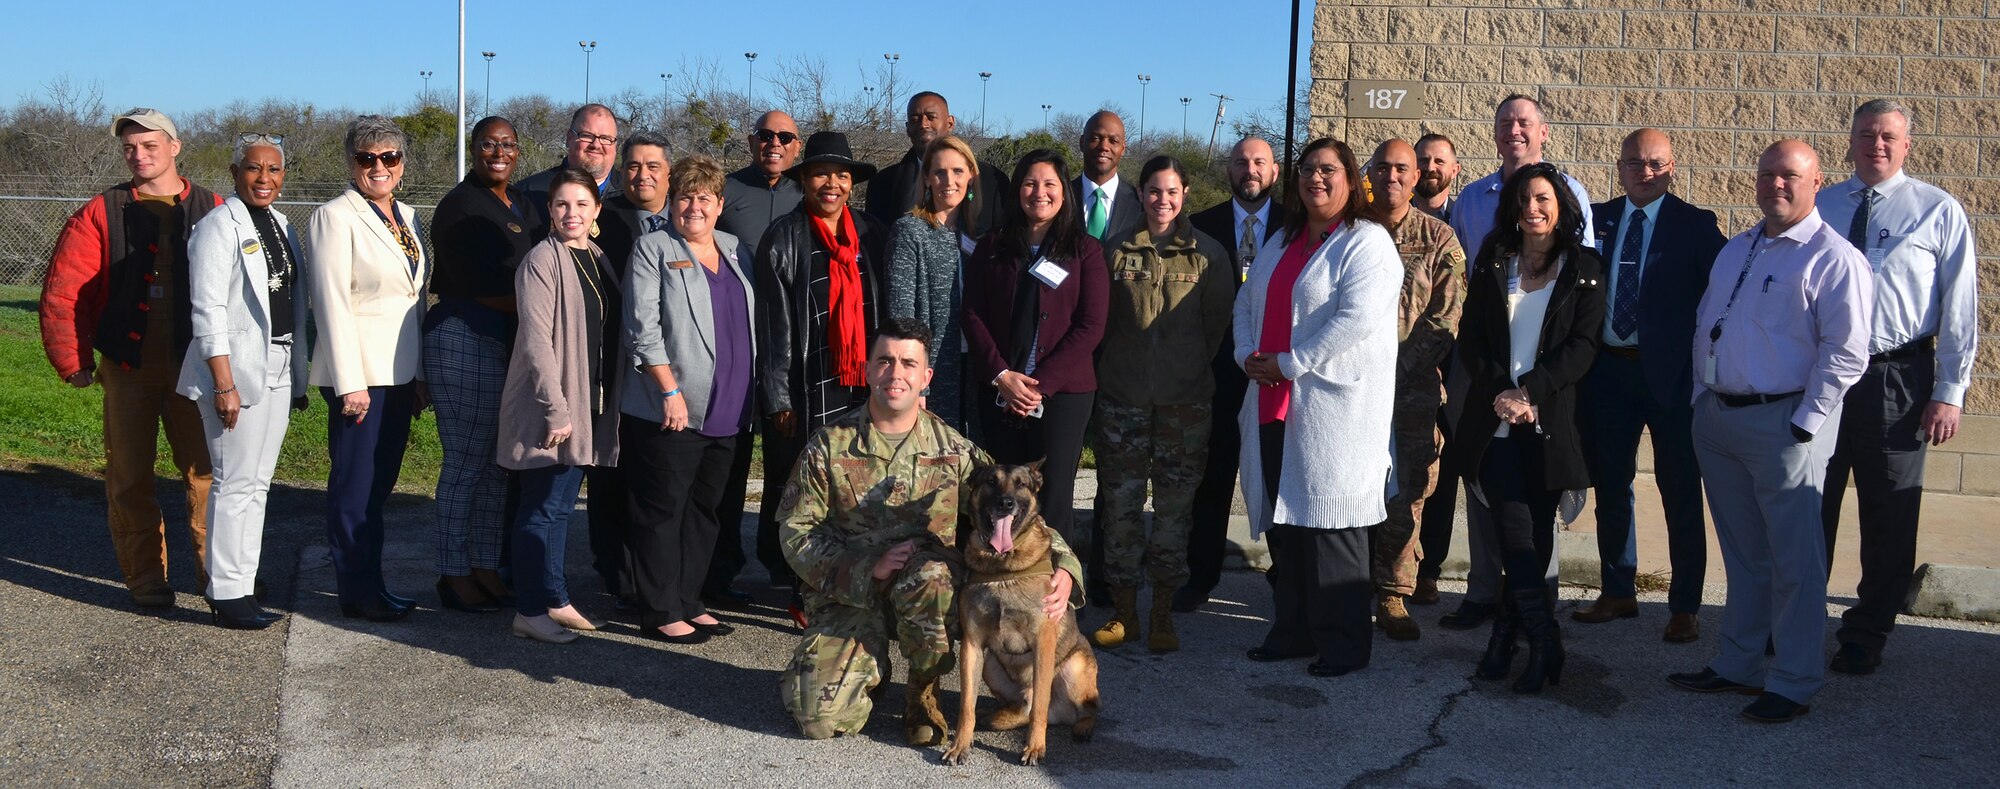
389 158
260 138
783 138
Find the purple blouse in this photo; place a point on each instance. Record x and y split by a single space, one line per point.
729 398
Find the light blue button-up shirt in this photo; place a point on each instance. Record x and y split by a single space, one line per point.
1799 321
1472 215
1920 247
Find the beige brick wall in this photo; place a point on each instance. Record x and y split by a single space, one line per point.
1724 78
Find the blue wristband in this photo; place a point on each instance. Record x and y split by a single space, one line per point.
665 395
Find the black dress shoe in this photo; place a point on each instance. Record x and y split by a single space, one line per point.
377 610
450 599
1320 668
1707 681
1187 600
1467 617
1773 708
1263 655
696 637
397 600
241 613
717 629
1855 659
624 604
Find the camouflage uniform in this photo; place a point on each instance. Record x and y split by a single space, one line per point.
1170 306
853 495
1433 292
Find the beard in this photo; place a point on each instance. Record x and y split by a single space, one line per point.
1428 187
1248 191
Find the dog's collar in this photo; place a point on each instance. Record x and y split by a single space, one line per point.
1046 566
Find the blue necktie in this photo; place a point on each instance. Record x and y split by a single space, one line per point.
655 223
1857 228
1625 306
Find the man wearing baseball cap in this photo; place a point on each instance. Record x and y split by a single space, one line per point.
117 283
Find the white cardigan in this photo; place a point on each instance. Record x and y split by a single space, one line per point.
228 271
1342 365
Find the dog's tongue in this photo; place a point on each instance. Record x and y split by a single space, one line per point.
1003 534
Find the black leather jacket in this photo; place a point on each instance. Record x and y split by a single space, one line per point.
783 269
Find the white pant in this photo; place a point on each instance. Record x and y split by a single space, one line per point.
244 460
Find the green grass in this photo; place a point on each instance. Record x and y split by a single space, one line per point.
45 421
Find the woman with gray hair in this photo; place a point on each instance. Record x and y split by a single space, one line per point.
248 305
368 273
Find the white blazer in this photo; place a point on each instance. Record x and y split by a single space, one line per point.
367 300
228 276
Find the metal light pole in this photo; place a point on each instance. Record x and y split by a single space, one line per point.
1045 115
1144 80
1184 112
461 86
488 109
425 97
983 77
892 57
868 93
750 82
588 47
664 101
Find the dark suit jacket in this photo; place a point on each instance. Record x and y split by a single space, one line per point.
1572 329
1124 208
1219 222
1072 319
1685 242
536 187
894 191
618 230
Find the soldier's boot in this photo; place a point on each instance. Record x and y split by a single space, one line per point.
923 722
1124 624
1394 619
1160 635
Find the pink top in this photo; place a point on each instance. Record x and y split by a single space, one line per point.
1273 402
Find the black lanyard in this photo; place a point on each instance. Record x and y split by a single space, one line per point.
1756 241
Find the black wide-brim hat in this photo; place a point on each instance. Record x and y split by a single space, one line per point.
831 147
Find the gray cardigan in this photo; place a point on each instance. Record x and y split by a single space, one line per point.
228 269
548 380
668 320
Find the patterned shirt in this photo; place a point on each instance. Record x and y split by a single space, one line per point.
1427 315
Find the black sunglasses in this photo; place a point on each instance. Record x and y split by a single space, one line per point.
783 138
389 158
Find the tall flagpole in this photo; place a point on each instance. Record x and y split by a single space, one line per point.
461 89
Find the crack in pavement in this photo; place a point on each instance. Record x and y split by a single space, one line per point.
1383 776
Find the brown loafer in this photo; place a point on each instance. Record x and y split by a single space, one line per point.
1682 628
1607 609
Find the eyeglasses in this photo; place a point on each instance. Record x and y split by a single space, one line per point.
367 158
258 138
593 139
1323 172
1642 165
783 138
489 146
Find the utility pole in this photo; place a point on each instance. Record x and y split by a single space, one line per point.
1217 129
588 47
488 109
1144 80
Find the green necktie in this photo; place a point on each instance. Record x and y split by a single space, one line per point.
1098 216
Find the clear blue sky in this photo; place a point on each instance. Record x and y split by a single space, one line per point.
366 55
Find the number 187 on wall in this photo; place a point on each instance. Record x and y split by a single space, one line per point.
1373 98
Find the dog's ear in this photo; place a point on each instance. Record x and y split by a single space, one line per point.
1035 473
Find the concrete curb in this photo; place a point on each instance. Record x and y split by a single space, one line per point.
1952 592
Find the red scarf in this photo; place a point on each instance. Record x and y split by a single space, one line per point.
847 332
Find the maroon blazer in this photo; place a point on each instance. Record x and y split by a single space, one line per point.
1072 316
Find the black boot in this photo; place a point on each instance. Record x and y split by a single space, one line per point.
241 613
1500 647
1545 649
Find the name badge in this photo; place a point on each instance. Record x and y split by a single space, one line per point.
1875 257
250 246
680 264
1708 371
1049 273
511 227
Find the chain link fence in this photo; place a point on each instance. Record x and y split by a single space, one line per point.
29 225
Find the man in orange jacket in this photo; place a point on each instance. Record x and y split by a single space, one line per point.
117 283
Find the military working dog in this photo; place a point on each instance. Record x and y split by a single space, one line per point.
1041 670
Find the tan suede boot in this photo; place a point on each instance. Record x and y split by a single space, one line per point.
1394 619
1160 636
1124 624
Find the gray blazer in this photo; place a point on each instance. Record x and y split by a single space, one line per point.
668 320
228 268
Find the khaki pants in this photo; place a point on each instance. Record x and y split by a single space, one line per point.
136 403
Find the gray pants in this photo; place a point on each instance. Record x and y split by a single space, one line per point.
1764 490
1482 580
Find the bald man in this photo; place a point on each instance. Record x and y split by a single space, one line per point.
1659 250
1427 327
1782 333
1107 207
756 194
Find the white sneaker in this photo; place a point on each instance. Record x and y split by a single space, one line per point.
542 628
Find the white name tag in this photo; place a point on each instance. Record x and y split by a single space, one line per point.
1708 371
1049 273
1875 257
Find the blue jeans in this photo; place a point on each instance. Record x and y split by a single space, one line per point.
541 531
